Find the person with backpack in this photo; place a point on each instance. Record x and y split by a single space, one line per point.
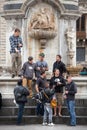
20 94
47 98
40 85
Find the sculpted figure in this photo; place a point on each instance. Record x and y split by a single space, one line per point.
43 19
70 35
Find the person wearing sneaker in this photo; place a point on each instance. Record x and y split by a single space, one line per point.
47 97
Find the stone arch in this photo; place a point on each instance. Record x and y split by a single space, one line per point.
56 3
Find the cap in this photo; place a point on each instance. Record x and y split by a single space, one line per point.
30 58
42 54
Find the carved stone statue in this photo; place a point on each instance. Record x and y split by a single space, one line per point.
70 35
43 19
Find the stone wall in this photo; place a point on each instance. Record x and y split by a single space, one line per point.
2 37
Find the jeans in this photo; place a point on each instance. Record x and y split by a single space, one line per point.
47 113
71 110
20 112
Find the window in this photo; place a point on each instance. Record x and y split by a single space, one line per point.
80 53
81 23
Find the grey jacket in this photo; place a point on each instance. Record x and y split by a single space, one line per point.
21 94
28 70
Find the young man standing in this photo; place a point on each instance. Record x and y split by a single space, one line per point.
20 94
58 64
40 85
16 44
70 91
41 65
58 82
27 74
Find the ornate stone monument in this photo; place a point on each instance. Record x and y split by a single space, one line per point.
43 24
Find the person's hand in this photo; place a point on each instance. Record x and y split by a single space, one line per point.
38 68
58 83
66 92
22 77
43 68
20 45
16 50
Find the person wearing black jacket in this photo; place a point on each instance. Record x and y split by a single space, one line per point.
59 65
40 85
20 94
70 91
58 82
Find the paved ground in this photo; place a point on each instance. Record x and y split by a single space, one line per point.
39 127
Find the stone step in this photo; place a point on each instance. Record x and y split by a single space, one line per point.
9 120
32 102
31 110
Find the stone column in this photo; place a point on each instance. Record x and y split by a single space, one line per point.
71 43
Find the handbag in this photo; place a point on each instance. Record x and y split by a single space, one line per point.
53 102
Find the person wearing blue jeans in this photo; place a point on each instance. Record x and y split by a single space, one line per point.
20 94
20 112
71 110
70 91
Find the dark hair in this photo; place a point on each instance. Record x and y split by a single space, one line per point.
19 82
56 69
59 56
30 58
17 30
42 72
68 76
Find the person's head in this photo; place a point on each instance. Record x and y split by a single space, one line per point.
30 59
69 79
41 56
16 32
43 74
19 82
58 57
56 72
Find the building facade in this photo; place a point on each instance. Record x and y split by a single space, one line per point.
49 26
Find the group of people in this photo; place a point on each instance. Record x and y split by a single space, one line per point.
53 89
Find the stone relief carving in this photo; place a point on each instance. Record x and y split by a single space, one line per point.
43 19
70 35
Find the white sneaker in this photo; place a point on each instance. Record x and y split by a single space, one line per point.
51 124
44 123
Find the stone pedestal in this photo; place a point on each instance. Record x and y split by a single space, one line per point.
70 56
